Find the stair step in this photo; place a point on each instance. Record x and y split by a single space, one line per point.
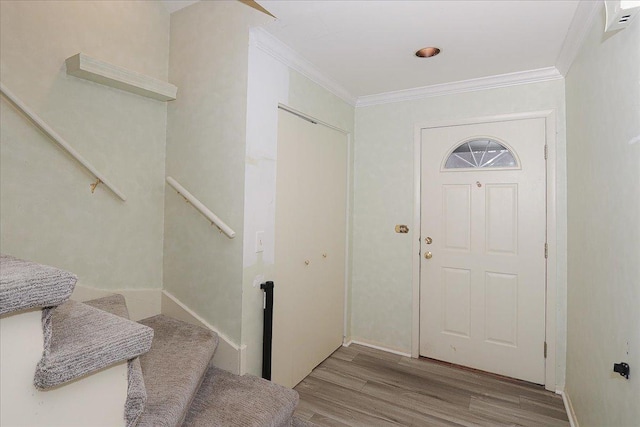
114 304
136 391
225 399
80 339
26 284
173 369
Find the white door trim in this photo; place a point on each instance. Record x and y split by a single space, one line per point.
550 309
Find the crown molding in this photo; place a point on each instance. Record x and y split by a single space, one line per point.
582 20
491 82
269 44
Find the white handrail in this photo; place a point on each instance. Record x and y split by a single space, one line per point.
202 208
60 141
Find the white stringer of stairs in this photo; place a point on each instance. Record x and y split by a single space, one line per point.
173 384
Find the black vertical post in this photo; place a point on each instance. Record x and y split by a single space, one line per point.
267 336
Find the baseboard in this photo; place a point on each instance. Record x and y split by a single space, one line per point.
229 356
141 303
568 406
377 346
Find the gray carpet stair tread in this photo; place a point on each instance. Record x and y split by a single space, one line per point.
173 369
80 339
26 284
114 304
225 399
136 391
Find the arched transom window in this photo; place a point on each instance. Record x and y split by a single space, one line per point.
481 153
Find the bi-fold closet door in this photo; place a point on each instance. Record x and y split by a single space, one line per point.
310 246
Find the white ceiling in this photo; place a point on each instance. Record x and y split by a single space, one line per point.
368 47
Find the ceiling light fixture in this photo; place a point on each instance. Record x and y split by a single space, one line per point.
427 52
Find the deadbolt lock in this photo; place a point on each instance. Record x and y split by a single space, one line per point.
428 240
428 255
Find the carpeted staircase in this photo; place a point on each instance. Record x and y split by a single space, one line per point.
171 381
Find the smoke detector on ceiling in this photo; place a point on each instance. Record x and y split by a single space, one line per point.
620 13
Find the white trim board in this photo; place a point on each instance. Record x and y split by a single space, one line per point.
551 289
491 82
584 16
229 355
375 346
281 52
568 406
95 70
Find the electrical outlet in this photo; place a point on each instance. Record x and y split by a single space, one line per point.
259 241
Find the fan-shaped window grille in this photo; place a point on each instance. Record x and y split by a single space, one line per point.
481 153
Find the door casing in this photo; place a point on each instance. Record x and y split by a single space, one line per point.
551 237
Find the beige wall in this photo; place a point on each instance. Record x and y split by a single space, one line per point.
47 211
603 117
205 153
384 154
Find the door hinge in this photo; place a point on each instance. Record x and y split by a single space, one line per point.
546 250
545 349
546 151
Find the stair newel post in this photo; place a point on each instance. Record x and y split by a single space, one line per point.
267 287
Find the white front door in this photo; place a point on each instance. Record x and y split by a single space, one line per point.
483 226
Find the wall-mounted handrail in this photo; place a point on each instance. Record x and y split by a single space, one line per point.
59 140
202 208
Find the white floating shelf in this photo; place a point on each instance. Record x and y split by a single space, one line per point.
88 68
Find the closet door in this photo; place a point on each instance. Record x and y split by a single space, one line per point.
310 241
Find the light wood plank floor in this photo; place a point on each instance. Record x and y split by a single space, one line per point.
359 386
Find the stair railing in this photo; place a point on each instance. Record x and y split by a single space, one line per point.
224 228
52 134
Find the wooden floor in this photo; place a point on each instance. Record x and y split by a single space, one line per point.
359 386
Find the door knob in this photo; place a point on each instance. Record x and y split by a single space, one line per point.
428 255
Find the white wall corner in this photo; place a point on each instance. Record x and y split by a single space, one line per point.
229 356
491 82
269 44
584 16
573 420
